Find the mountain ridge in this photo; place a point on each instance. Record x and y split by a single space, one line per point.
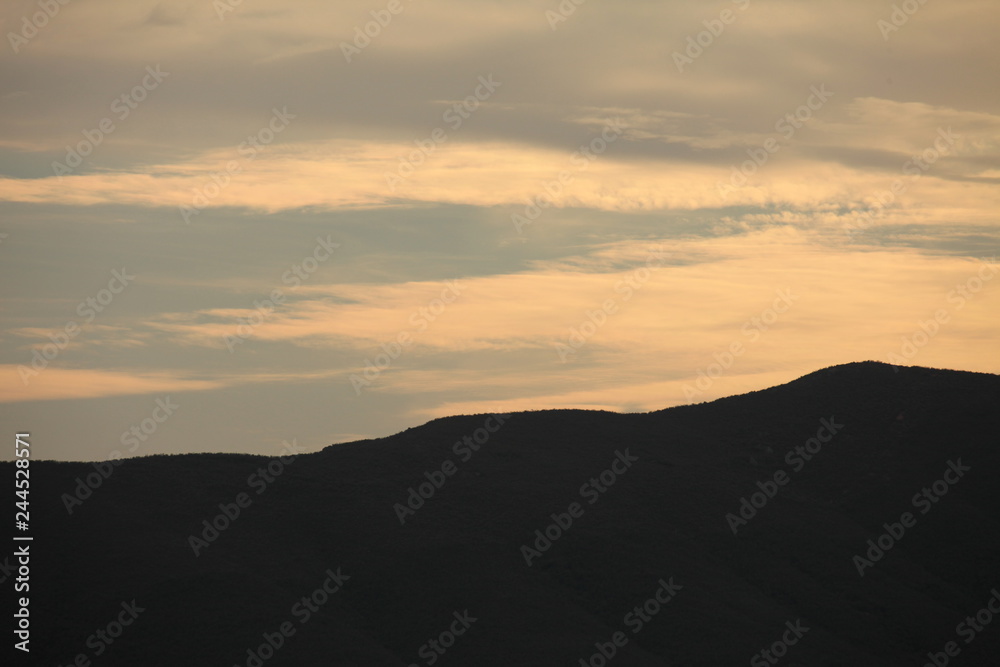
471 543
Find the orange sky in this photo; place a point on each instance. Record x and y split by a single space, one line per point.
566 173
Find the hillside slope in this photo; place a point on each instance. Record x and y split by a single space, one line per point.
655 525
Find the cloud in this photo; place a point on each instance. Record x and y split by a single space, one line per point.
681 310
64 383
369 174
686 173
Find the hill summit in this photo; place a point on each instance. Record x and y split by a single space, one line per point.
849 517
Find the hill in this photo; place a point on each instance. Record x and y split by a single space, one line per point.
698 535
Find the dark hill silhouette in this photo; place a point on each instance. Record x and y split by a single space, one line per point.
680 471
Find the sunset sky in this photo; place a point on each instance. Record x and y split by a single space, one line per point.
327 221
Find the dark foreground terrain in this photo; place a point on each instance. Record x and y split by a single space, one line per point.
645 567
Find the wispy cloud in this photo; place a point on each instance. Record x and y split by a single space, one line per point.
801 149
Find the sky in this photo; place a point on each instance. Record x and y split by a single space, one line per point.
231 225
